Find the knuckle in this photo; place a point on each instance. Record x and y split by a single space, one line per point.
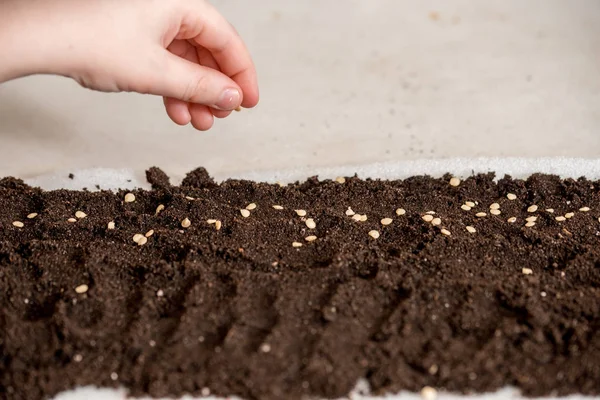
195 89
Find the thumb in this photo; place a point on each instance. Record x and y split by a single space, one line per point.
193 83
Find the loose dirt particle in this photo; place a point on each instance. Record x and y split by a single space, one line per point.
296 244
445 232
311 238
277 207
251 206
471 229
495 212
32 215
18 224
310 223
511 196
454 182
129 198
301 213
111 225
481 215
81 289
527 271
149 233
400 211
436 221
427 218
245 213
374 234
533 208
186 223
512 220
386 221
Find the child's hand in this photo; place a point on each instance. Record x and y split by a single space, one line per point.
183 50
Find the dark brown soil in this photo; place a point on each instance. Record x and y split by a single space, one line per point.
241 311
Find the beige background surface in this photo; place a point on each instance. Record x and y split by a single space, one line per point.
346 81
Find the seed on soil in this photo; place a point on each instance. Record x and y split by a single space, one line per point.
149 233
569 215
374 234
495 212
350 212
560 218
386 221
18 224
301 213
278 207
190 198
80 214
494 206
400 211
159 208
428 393
129 198
584 209
77 358
527 271
471 229
511 196
245 213
480 215
531 219
143 240
211 221
454 182
218 225
357 217
470 204
427 218
265 348
32 215
465 207
71 220
310 223
445 232
296 244
512 220
251 206
532 208
186 223
340 179
430 212
160 293
137 237
311 238
436 221
530 224
111 225
363 218
550 210
81 289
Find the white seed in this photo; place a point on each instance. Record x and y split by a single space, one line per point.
569 215
81 289
430 212
251 206
427 218
80 214
111 225
310 223
211 221
32 215
114 376
511 196
350 212
584 209
357 217
550 210
159 208
265 348
470 204
143 240
512 220
531 219
494 206
77 358
301 213
532 208
137 237
454 182
495 212
471 229
386 221
71 220
186 223
129 198
436 221
400 211
296 244
480 214
363 218
527 271
190 198
530 224
245 213
278 207
160 293
311 238
340 179
560 218
18 224
465 207
149 233
445 232
218 225
428 393
374 234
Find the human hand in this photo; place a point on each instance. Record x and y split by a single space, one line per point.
183 50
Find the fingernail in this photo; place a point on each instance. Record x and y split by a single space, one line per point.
229 100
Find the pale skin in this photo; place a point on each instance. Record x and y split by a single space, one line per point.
182 50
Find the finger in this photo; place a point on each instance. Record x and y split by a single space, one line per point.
207 27
178 111
206 58
202 118
220 114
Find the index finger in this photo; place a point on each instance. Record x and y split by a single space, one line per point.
205 26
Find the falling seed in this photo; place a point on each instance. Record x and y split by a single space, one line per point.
137 237
527 271
111 225
494 206
465 207
511 196
357 217
296 244
340 179
190 198
569 215
278 207
427 218
560 218
363 218
251 206
445 232
211 221
480 214
301 213
186 223
470 204
18 224
386 221
218 225
159 208
428 393
310 238
454 182
471 229
310 223
350 212
71 220
532 208
149 233
531 219
400 211
495 212
80 214
32 215
436 221
265 348
81 289
143 240
584 209
512 220
550 210
160 293
245 213
530 224
129 198
374 234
